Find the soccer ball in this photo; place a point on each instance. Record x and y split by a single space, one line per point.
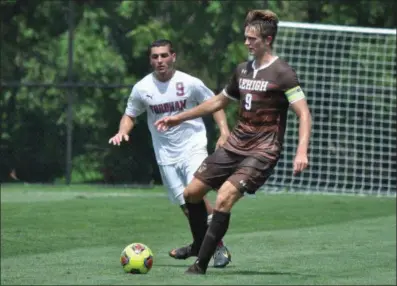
136 258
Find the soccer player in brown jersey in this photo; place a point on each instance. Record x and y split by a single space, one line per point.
265 89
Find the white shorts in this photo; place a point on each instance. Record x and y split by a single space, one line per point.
177 176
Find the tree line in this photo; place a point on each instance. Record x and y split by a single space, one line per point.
109 56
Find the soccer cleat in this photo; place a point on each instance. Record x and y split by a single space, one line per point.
195 269
183 252
222 257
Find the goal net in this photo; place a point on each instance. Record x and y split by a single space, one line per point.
349 77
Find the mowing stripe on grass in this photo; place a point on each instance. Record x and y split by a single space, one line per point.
39 196
337 254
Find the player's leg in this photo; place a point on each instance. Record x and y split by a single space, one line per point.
222 256
249 177
184 208
190 166
197 217
208 206
174 184
187 169
174 180
227 196
214 170
209 209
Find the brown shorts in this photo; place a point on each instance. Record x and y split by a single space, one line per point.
247 174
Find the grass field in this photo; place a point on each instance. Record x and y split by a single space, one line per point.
74 236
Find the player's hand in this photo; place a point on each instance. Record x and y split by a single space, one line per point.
221 141
118 138
300 162
165 123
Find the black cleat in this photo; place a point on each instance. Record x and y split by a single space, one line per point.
195 269
183 252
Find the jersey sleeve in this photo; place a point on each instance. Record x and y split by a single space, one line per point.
135 106
201 92
232 90
291 86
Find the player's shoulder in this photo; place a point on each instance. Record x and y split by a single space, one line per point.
244 67
187 78
140 83
144 81
285 73
142 86
282 66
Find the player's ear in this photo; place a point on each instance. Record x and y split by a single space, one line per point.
268 40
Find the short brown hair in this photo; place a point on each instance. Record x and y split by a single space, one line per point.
264 21
161 43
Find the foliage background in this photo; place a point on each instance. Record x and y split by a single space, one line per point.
110 42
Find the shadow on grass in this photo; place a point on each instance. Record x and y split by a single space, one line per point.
255 272
171 265
232 270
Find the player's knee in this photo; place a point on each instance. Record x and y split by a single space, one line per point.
224 202
195 191
227 196
191 196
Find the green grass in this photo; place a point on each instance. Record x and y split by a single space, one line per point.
58 235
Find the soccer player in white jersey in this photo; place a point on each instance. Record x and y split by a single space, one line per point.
181 150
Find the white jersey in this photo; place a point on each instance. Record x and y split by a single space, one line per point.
160 99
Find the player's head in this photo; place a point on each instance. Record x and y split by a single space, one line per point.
162 57
260 31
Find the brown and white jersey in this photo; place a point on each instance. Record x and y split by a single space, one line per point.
264 95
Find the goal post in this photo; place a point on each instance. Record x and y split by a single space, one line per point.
349 77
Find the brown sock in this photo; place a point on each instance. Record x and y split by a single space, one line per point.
215 233
198 222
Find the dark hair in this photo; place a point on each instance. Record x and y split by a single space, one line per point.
161 43
265 21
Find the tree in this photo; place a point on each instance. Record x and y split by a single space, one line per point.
111 40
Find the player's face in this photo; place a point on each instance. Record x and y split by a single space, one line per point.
162 60
254 42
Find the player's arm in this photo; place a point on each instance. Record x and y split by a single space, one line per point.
201 93
220 119
209 106
215 103
127 122
300 107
